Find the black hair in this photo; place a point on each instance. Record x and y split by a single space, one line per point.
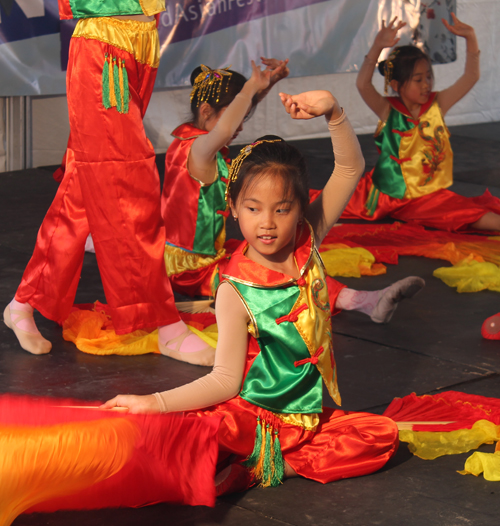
280 158
403 63
230 87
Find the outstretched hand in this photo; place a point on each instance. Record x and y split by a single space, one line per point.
387 36
134 403
311 104
458 28
278 68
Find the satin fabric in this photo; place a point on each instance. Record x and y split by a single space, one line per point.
443 209
469 275
56 455
389 241
343 445
110 188
138 39
90 8
91 330
415 154
473 420
194 213
290 318
195 282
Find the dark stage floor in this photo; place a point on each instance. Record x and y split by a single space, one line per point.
433 343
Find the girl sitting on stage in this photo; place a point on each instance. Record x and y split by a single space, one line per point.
415 165
275 338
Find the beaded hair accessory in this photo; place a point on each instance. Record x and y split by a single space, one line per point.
208 83
238 161
389 66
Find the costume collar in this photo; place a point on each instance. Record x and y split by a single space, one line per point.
398 105
188 131
243 270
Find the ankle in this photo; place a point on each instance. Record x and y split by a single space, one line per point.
24 307
169 332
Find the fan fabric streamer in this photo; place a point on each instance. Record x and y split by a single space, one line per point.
57 455
450 423
90 328
470 275
389 241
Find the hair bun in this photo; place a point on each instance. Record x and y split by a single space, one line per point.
381 67
194 74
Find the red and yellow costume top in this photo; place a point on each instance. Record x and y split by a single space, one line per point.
194 213
96 8
290 350
416 158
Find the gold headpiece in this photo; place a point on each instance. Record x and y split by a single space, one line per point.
208 83
389 66
238 161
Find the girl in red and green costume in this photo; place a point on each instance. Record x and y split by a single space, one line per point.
274 351
194 207
415 165
110 187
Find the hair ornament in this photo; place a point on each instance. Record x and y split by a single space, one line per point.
208 83
238 161
389 66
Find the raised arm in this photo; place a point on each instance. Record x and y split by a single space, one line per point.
223 383
349 161
450 96
201 162
386 37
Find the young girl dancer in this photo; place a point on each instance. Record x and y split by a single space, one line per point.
415 165
193 197
275 349
110 187
194 207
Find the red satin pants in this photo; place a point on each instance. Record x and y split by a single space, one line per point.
443 210
344 445
110 188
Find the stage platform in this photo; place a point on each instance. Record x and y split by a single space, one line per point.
433 343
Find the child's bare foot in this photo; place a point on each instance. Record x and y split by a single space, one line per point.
178 342
19 317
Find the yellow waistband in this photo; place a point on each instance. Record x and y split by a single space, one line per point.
307 421
178 261
140 39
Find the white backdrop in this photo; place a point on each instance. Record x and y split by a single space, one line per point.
170 108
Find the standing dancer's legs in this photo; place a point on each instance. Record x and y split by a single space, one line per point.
115 185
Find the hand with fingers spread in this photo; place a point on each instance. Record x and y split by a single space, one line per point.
279 68
461 30
387 36
311 104
134 403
